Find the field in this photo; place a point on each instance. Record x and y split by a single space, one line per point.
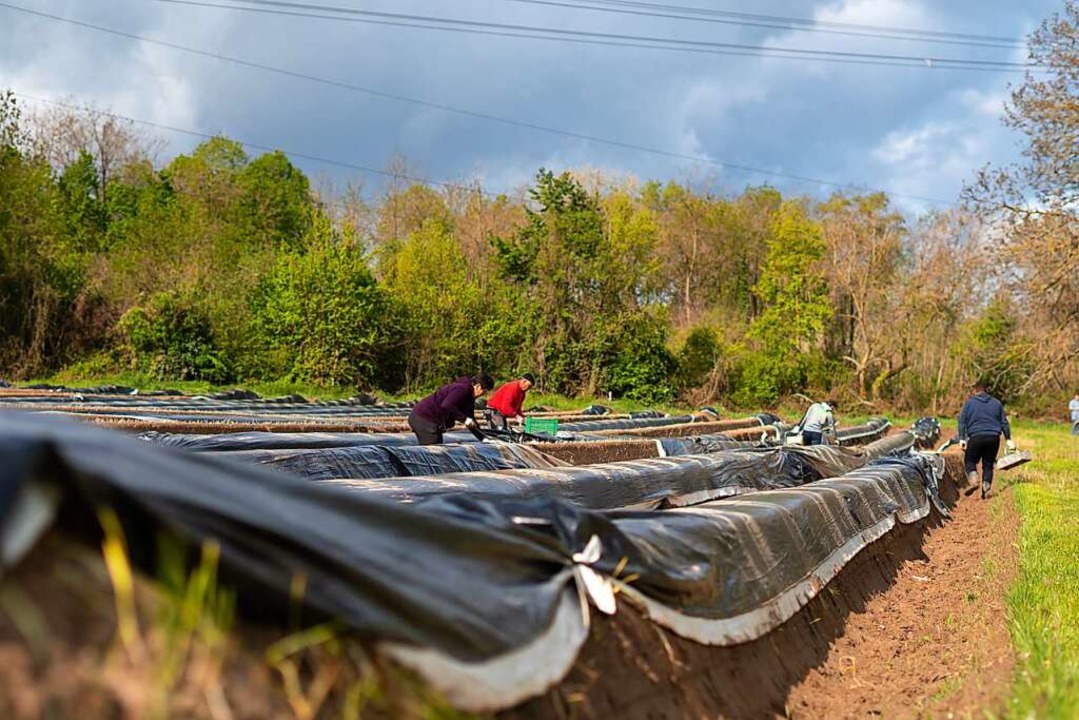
972 616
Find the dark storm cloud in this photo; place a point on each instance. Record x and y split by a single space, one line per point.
913 131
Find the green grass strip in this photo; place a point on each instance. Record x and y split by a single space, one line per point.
1044 603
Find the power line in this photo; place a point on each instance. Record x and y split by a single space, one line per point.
683 12
461 111
292 9
780 23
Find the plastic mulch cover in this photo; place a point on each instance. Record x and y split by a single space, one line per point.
286 441
873 428
377 461
484 597
637 484
697 444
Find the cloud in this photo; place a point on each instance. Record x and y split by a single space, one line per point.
876 127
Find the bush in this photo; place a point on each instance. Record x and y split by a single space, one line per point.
698 357
643 368
762 380
321 317
170 339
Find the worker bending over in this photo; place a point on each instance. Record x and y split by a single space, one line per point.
450 404
819 419
507 402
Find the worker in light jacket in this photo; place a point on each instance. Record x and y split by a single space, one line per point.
450 404
981 423
819 419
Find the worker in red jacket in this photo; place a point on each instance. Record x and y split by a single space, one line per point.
507 401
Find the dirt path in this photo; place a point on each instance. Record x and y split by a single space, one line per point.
937 643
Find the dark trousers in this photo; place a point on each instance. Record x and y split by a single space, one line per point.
812 438
982 449
427 432
495 419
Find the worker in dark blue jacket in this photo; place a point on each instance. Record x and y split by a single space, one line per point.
981 423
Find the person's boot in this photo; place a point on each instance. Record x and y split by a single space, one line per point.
985 489
972 481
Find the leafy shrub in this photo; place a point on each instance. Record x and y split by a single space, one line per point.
170 339
321 317
643 368
698 357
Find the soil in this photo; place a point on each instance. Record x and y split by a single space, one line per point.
914 626
689 429
937 643
603 451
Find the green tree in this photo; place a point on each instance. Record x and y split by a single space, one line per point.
428 278
794 309
40 276
84 214
275 206
322 317
792 289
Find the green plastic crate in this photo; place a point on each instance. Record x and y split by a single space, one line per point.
541 425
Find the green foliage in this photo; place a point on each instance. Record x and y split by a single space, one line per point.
41 270
992 352
275 204
792 288
642 367
169 338
223 265
763 379
84 215
428 278
698 357
321 317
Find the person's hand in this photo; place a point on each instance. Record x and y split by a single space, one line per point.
962 444
470 423
1010 446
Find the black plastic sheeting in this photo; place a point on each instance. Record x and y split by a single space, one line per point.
704 578
698 444
637 484
481 595
284 441
856 434
380 461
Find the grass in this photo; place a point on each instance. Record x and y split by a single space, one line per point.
177 642
1044 603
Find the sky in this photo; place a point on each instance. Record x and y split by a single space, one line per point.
717 120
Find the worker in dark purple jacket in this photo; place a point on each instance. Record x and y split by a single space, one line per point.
450 404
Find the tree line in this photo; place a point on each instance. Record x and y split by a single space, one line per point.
224 267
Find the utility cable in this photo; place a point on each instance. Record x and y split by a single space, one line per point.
346 14
465 112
